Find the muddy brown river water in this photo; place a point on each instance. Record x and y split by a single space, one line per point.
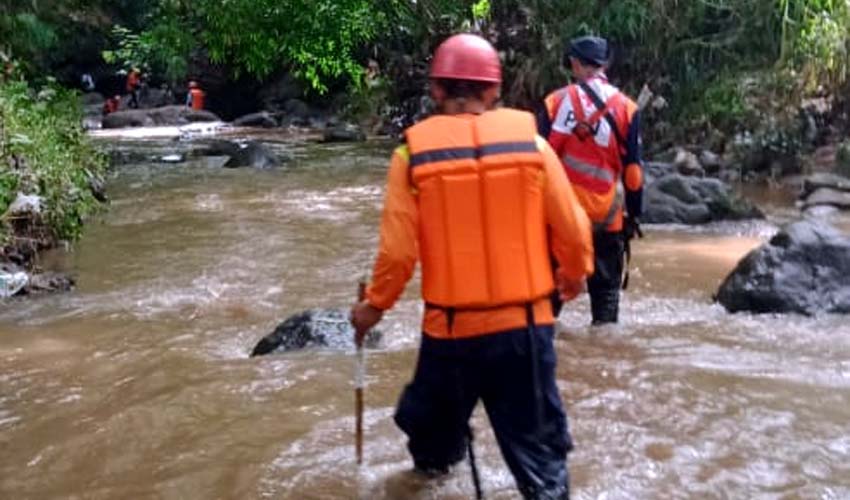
138 384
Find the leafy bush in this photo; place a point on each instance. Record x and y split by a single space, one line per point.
44 152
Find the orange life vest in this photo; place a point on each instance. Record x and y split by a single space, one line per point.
590 149
482 228
197 98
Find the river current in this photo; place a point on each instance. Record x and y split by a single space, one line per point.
138 383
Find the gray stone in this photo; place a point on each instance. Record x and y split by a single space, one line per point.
803 269
675 198
313 328
822 180
830 197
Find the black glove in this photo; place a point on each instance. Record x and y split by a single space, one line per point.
631 228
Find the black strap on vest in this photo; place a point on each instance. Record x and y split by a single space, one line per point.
600 105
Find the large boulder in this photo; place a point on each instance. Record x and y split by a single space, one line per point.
803 269
675 198
313 328
166 115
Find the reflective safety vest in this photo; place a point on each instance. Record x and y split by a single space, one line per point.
590 150
479 182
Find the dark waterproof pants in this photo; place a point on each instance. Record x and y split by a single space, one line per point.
604 285
522 403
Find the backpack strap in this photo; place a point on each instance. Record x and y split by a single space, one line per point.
604 109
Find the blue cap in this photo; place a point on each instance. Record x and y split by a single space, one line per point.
590 50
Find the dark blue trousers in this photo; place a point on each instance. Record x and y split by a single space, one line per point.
520 397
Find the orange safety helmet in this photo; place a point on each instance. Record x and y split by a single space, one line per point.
467 57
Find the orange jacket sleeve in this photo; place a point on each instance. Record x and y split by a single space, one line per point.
571 237
397 252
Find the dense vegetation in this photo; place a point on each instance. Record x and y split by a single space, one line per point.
43 152
693 52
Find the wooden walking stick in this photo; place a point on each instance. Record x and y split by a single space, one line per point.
359 376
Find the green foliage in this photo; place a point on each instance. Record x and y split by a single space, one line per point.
316 38
27 36
719 102
44 151
481 10
163 49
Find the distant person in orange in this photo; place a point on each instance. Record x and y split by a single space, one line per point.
595 130
195 98
480 200
134 81
111 105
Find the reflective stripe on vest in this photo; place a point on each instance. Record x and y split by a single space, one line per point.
482 223
439 155
585 168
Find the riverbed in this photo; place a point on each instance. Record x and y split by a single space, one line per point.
138 384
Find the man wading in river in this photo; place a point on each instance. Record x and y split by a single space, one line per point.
595 130
481 199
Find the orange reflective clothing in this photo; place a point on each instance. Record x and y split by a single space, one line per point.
591 151
473 197
197 96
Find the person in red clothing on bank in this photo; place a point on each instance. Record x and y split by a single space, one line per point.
195 98
595 131
481 200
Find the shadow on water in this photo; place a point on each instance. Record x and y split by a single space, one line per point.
138 385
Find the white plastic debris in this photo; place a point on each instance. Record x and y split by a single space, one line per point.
25 204
12 283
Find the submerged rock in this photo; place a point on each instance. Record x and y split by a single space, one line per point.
166 115
49 282
675 198
803 269
345 132
313 328
253 154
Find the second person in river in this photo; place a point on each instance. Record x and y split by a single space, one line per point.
481 200
595 131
